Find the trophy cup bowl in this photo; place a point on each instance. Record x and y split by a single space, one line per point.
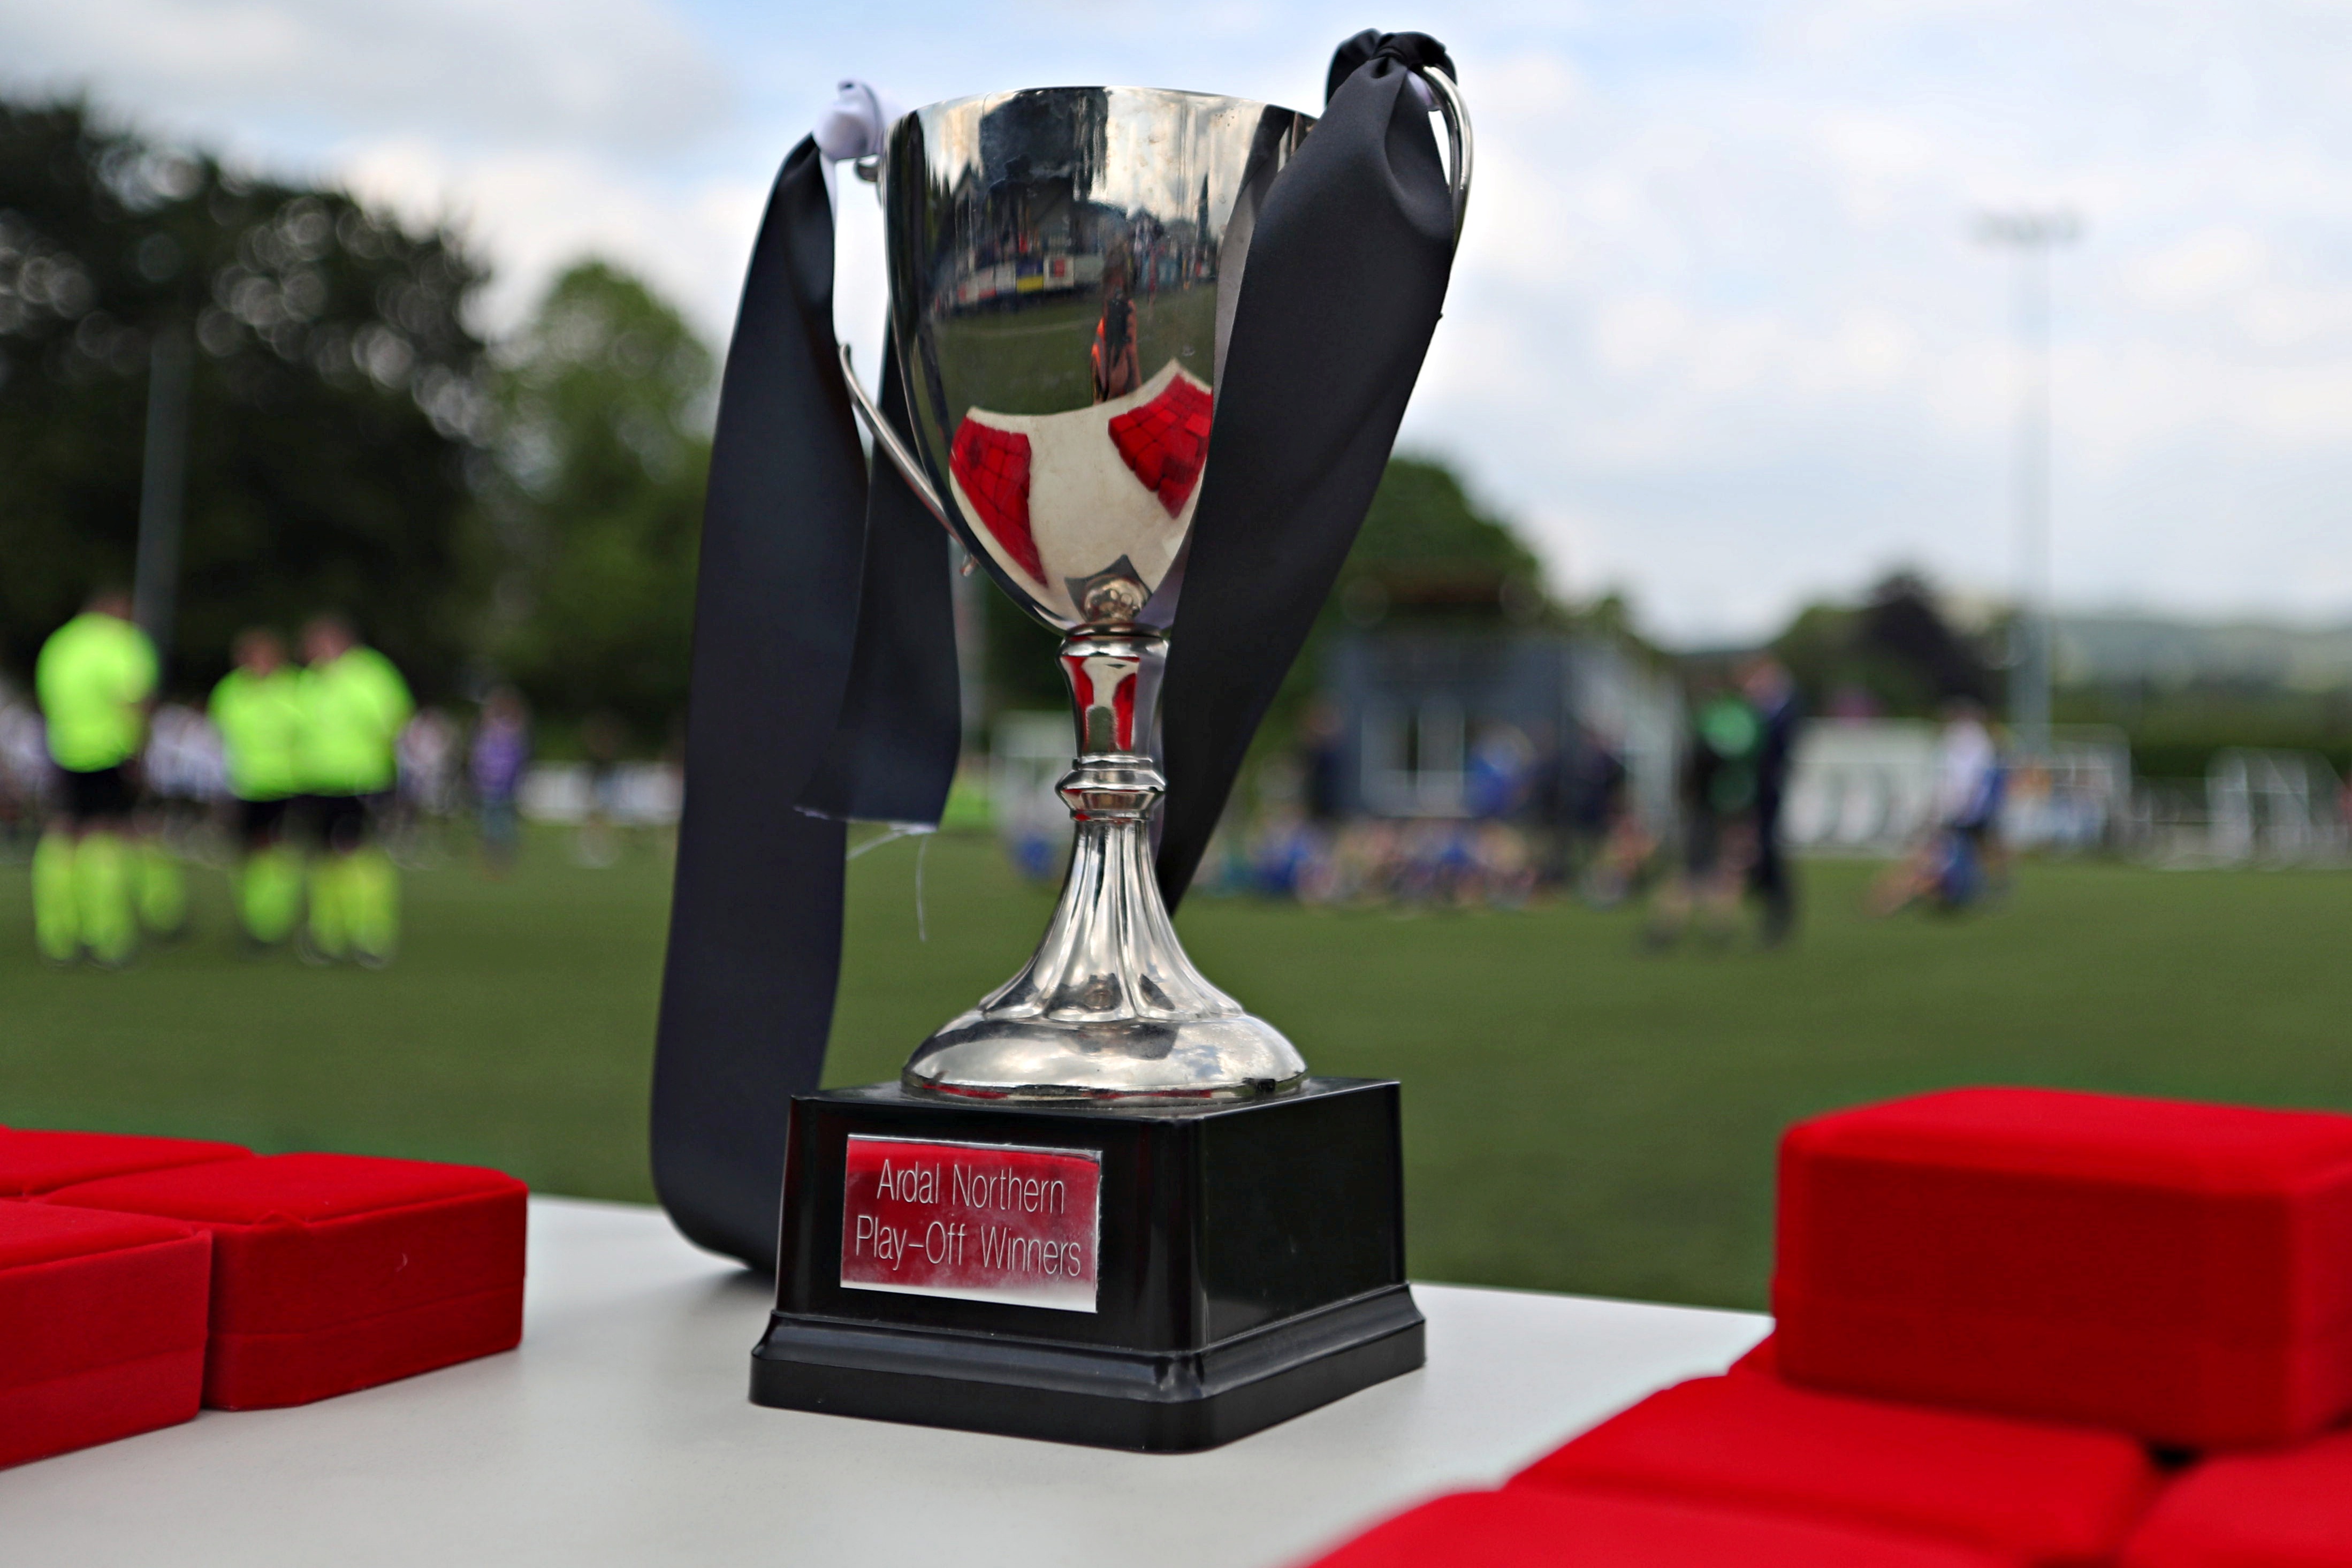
1064 266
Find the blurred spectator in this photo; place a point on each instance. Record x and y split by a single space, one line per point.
428 754
186 775
1444 862
1718 825
25 773
1771 691
596 844
1506 864
1289 859
259 708
1949 867
502 751
353 706
95 677
1598 814
1323 739
1501 771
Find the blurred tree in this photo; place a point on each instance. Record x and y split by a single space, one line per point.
1427 551
1896 653
334 408
603 416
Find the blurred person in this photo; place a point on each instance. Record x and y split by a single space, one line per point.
1365 859
185 777
1595 788
354 704
1437 864
1506 865
94 678
1718 805
500 755
258 707
1323 745
1501 770
1117 371
25 772
1771 692
426 796
1948 869
596 845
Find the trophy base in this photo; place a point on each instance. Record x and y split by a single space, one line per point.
1160 1278
1136 1061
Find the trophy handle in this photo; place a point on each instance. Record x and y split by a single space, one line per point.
888 440
1457 134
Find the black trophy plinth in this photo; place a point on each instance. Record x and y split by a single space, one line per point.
1246 1264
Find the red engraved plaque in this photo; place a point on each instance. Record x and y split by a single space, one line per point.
984 1222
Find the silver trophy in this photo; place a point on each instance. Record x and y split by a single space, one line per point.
1063 268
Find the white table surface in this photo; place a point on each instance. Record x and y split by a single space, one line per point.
620 1432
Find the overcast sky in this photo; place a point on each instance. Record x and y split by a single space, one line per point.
1720 335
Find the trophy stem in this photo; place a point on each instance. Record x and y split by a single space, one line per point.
1109 1008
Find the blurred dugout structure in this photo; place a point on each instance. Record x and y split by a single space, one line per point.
1431 725
1460 766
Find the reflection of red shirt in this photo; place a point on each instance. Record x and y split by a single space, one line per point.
1116 371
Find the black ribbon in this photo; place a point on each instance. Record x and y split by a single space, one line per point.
1415 51
823 682
1347 276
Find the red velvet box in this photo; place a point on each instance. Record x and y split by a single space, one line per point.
2288 1509
2179 1271
101 1327
32 1163
332 1272
2057 1497
1534 1527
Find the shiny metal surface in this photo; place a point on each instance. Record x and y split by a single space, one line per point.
1457 115
1064 266
1109 1008
901 455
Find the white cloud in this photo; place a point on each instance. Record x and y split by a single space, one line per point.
616 74
1718 331
534 211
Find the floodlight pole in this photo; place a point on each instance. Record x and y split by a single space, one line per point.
2031 236
156 576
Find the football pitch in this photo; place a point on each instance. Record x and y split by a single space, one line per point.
1578 1116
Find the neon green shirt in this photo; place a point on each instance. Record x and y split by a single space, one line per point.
353 708
94 674
260 720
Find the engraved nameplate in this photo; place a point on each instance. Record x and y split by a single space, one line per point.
982 1222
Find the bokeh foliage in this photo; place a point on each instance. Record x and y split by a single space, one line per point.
335 397
602 440
1896 651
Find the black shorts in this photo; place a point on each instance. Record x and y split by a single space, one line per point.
340 822
101 794
262 823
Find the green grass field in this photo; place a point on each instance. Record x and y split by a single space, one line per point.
1578 1117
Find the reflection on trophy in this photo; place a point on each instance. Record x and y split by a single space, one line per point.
1063 267
1107 1204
